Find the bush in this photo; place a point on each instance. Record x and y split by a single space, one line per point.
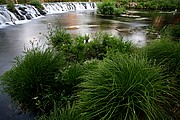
78 50
71 77
119 11
124 88
104 43
11 7
31 81
37 4
59 38
107 7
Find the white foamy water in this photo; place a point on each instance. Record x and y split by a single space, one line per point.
25 13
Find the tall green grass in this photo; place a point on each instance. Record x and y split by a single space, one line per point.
124 88
31 81
167 53
69 112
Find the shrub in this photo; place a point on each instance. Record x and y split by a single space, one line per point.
104 43
124 88
11 7
37 4
94 49
107 7
59 38
76 52
119 11
71 79
31 81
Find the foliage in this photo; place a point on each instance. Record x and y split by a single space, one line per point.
119 11
11 7
158 4
80 49
175 32
166 52
124 88
2 2
104 43
59 38
107 7
69 112
37 4
31 81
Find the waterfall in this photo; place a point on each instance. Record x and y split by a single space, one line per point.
27 12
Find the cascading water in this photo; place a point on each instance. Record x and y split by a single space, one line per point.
26 12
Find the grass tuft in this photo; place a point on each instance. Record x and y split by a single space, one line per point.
126 88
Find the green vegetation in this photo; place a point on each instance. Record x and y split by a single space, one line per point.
37 4
108 7
166 53
11 7
32 79
76 50
172 31
2 2
124 88
117 7
66 113
158 4
105 78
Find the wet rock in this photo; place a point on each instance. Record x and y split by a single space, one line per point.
42 12
29 16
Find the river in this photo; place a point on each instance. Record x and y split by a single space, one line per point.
14 38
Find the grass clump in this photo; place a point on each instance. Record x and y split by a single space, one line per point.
69 112
126 88
166 53
31 81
